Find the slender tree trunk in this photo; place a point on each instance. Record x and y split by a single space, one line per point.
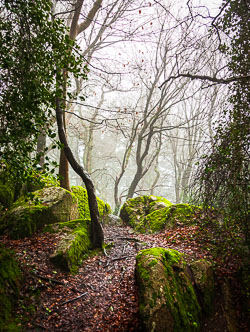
41 145
75 29
96 232
64 171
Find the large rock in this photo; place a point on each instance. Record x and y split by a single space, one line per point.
167 300
202 271
150 214
135 209
83 205
73 246
50 205
112 220
176 214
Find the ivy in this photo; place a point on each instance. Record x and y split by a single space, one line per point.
33 46
224 173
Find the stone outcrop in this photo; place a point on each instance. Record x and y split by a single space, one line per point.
83 205
73 245
50 205
202 271
167 299
135 209
150 214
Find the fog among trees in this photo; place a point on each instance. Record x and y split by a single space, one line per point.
134 128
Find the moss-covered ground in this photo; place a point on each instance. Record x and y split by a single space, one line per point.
10 281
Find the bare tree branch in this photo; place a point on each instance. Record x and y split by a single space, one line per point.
207 78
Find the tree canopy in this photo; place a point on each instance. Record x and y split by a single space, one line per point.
33 46
224 175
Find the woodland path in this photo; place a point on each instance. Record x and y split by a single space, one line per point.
103 295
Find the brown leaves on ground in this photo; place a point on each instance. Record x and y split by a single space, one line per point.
103 295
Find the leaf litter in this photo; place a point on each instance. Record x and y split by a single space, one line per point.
103 295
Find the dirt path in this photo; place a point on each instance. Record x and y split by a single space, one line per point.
103 295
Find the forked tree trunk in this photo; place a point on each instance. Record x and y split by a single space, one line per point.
96 232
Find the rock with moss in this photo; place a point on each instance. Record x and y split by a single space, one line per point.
176 214
202 271
10 280
112 220
135 209
73 245
83 205
50 205
167 300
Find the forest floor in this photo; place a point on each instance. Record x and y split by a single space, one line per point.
103 295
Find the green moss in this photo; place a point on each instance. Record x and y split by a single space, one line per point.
203 274
50 205
83 205
136 209
24 221
154 222
10 278
166 291
74 245
184 213
162 218
6 195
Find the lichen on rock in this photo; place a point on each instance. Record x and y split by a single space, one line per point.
83 205
135 209
53 205
74 244
167 300
203 275
150 214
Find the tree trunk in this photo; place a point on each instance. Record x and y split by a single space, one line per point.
41 145
96 232
64 171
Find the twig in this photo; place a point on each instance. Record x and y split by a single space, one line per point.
74 299
75 290
39 325
104 252
118 259
124 247
128 239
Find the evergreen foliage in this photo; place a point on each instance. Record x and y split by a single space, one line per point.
224 174
34 47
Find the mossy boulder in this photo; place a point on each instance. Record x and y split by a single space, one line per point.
202 271
112 220
176 214
73 246
10 280
150 214
83 205
135 209
50 205
167 300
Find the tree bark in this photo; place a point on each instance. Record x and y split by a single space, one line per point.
96 232
41 145
75 29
